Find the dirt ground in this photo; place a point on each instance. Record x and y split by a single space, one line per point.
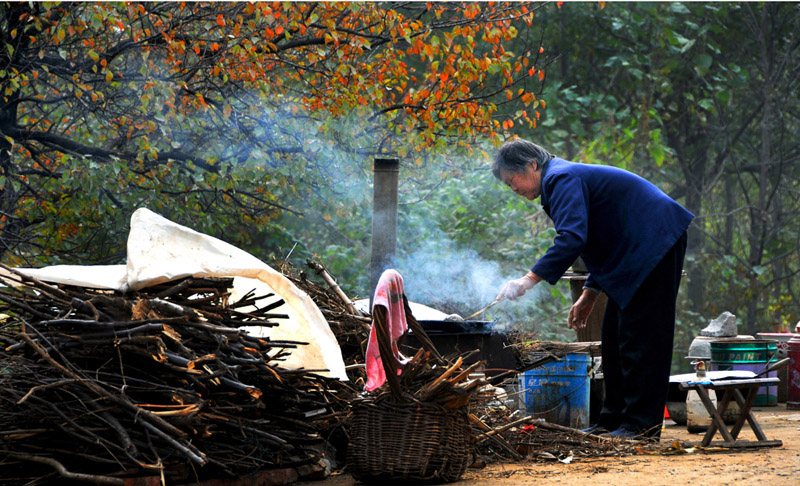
769 466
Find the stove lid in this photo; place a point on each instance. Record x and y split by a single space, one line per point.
457 327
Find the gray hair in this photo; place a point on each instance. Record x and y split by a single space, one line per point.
516 155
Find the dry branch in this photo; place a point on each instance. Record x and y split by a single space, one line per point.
323 272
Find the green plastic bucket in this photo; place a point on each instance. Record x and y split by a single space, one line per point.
754 355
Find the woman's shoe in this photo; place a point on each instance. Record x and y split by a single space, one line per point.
595 429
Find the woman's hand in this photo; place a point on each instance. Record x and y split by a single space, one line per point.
517 287
580 310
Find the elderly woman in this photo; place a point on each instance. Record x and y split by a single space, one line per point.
632 238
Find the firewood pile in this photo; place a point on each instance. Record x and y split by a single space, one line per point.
97 386
508 436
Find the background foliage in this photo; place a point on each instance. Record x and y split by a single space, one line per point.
258 124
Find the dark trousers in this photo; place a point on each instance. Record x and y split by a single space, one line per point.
637 349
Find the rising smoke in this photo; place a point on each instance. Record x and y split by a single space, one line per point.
439 273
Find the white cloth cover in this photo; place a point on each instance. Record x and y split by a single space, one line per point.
160 250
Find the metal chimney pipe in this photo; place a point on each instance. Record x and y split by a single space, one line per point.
384 220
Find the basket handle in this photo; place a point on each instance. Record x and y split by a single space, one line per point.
420 333
385 348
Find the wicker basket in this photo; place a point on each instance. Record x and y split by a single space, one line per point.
395 438
405 441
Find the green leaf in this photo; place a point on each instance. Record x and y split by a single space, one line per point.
687 46
675 38
724 95
678 8
657 152
703 61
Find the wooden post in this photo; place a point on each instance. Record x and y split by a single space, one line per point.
594 325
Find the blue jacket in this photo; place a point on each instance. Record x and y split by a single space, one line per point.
619 223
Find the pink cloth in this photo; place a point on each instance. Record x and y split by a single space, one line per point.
389 294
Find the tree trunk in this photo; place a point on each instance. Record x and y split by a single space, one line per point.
695 247
759 213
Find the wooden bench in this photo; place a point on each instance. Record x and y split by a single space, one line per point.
732 391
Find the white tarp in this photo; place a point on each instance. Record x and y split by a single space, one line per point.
160 250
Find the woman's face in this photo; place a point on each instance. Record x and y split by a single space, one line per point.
527 184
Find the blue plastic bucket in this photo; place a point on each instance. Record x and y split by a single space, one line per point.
559 392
